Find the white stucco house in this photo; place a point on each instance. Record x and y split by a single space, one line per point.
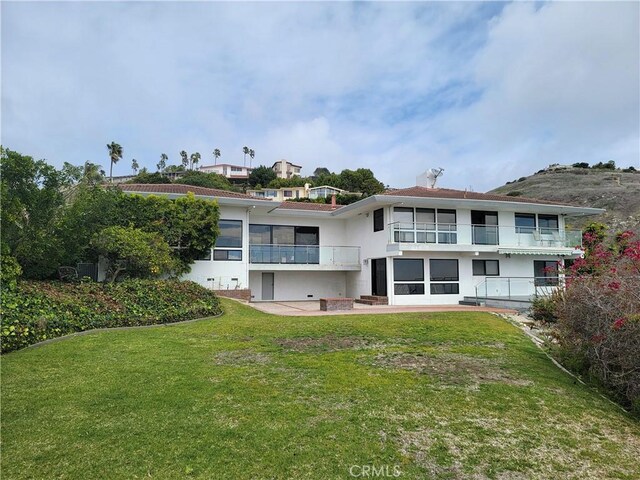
413 246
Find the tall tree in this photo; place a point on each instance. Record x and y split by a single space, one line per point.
245 150
115 154
261 176
252 155
216 155
134 166
195 158
163 162
185 159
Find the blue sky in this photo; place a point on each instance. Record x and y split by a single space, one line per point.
489 91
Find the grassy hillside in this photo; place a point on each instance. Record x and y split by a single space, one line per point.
256 396
615 191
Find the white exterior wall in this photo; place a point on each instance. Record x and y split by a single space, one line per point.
225 275
292 285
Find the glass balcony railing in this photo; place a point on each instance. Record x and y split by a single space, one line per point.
305 255
461 234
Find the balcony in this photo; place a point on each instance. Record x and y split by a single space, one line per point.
303 257
481 237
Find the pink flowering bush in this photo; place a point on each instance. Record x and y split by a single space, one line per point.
599 315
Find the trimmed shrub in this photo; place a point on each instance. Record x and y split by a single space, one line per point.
36 311
543 309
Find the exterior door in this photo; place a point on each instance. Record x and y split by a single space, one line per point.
267 286
379 277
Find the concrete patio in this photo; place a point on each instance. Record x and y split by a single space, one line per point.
312 308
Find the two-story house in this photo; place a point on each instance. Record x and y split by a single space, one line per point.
415 246
285 169
233 172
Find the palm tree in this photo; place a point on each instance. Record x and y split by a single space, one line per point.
185 159
162 164
135 166
92 173
115 154
216 155
195 158
252 155
245 150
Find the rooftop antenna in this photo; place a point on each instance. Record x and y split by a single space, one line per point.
432 176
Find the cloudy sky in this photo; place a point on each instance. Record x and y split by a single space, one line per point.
489 91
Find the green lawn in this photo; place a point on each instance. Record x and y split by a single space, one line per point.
249 395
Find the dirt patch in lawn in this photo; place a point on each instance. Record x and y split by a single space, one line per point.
328 343
241 357
453 368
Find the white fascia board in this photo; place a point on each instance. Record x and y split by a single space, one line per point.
385 200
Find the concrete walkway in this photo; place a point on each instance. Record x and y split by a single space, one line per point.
312 308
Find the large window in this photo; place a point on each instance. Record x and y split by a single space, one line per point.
284 244
444 277
378 219
408 276
230 233
487 268
525 222
230 237
431 225
545 273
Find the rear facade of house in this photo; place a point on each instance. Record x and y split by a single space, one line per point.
415 246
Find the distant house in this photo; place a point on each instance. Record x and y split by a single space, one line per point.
290 193
237 172
285 169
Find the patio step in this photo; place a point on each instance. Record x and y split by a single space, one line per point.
372 300
467 302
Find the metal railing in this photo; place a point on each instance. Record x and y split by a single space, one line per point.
518 288
465 234
304 255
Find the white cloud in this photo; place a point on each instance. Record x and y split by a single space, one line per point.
395 87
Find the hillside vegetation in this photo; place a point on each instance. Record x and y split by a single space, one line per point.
618 192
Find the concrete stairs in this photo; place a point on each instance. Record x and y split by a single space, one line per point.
372 300
498 302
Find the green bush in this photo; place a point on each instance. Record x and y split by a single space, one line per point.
543 309
36 311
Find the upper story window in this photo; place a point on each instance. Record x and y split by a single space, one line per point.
378 219
229 242
283 235
230 233
548 223
425 225
525 222
236 169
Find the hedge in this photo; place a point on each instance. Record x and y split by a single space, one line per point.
34 311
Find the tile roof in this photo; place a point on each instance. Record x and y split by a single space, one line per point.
179 189
447 193
318 207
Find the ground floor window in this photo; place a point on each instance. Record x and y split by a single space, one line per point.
408 276
545 273
444 277
486 268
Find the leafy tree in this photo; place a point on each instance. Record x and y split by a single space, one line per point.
289 182
320 171
174 169
31 194
581 165
610 165
115 154
361 180
261 175
134 166
162 164
139 253
208 180
216 155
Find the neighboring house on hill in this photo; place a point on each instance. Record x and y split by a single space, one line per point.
232 172
290 193
286 169
415 246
